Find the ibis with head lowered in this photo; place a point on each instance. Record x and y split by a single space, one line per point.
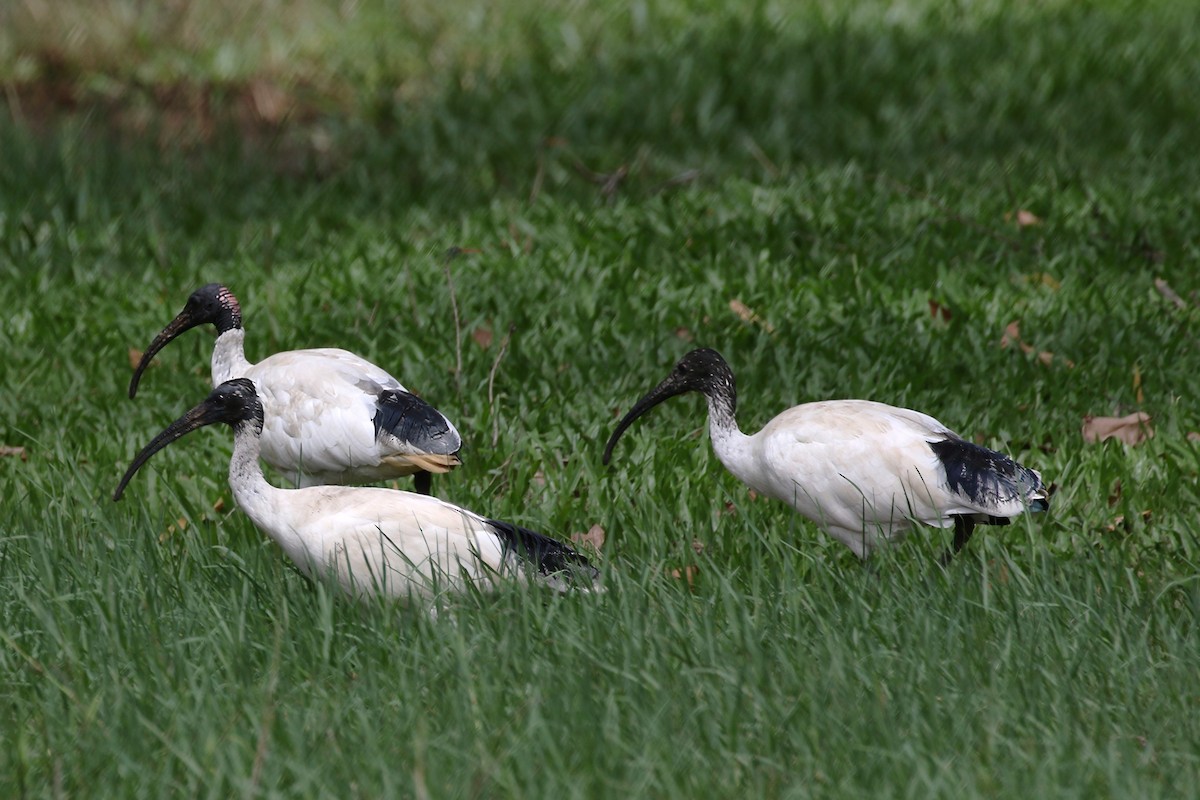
331 417
864 472
371 541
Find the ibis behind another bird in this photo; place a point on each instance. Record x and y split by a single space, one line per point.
330 416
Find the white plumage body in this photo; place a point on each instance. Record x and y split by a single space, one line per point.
863 471
370 541
320 407
377 541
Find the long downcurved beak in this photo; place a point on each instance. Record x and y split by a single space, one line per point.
185 321
664 391
198 417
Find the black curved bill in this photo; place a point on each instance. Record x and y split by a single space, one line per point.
181 323
198 417
664 391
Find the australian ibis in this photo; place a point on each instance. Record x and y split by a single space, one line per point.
864 472
370 540
330 416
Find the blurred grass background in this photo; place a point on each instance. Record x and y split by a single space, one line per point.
882 187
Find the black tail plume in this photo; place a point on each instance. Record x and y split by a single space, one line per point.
550 556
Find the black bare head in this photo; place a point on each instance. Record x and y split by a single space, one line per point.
212 303
702 370
234 402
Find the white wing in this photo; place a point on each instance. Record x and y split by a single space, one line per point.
860 470
399 543
320 407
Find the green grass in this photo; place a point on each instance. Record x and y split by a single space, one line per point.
850 167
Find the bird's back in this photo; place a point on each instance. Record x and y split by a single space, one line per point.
864 471
320 410
401 542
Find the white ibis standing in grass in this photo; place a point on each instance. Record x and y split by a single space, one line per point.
331 416
864 472
373 541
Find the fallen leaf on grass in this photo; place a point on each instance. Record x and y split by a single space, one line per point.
1114 496
747 314
135 357
1125 525
594 538
271 102
1012 336
180 525
15 452
684 334
482 336
219 506
688 574
1193 436
939 311
1132 429
1043 279
1024 218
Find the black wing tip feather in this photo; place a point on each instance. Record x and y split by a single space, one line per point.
410 419
987 477
551 556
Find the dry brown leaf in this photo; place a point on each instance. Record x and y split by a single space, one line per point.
135 357
747 314
697 546
271 102
688 574
684 334
482 336
729 509
1132 429
1139 395
219 506
594 538
1045 279
1012 336
1193 436
1119 521
939 311
1024 218
1114 496
14 452
539 479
